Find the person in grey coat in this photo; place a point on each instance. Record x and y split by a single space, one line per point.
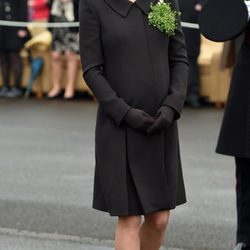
139 77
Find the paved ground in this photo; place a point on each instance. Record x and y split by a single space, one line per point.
26 243
46 166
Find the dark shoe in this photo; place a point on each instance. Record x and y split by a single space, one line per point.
4 91
193 101
14 92
70 98
242 246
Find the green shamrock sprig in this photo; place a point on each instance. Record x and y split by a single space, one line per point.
163 17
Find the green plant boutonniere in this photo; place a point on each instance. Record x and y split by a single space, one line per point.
163 17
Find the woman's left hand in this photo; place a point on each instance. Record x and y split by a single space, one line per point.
22 33
164 118
198 7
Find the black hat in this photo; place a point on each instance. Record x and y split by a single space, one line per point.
222 20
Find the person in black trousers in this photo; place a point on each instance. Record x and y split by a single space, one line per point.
11 42
243 202
234 139
139 77
190 10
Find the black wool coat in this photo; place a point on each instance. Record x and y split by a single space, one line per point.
12 10
234 138
128 63
192 36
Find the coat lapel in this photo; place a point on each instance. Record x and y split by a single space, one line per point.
122 7
144 5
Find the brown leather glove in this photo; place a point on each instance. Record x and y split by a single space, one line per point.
138 119
164 117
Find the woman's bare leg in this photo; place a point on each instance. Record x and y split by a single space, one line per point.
127 233
153 230
56 73
72 67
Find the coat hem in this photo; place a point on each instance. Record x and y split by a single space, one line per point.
138 213
233 154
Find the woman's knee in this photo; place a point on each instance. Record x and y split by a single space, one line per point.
158 220
71 56
56 56
130 222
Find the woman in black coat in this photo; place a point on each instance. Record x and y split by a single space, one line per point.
11 42
139 76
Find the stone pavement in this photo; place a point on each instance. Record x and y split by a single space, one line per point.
31 241
46 178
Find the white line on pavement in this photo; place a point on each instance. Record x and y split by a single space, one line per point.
54 236
62 237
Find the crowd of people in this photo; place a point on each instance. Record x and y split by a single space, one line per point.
64 43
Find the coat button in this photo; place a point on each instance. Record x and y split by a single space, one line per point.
8 17
8 9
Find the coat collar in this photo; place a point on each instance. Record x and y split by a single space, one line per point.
122 7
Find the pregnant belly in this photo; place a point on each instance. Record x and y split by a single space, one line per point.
145 95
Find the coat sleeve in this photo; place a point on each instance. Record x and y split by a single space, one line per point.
178 62
93 61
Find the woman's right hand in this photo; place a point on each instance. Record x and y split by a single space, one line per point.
164 118
138 119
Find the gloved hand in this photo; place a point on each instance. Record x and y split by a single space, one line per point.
138 119
164 117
